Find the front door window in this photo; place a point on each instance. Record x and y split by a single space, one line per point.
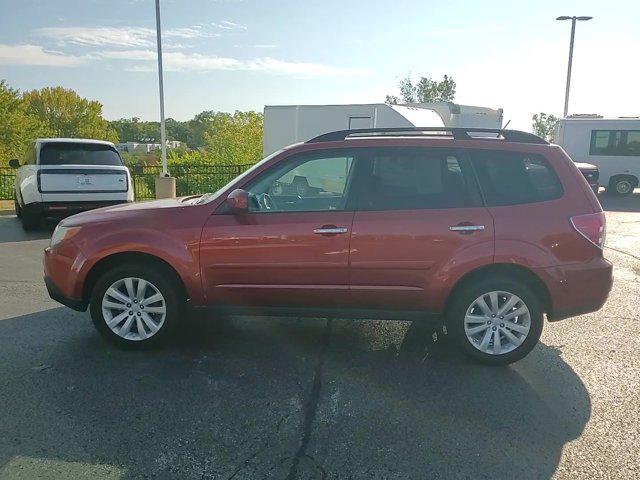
310 183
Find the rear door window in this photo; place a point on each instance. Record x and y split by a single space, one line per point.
414 179
78 154
511 178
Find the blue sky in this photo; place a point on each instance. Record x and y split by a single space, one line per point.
244 54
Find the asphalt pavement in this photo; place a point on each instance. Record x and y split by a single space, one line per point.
253 398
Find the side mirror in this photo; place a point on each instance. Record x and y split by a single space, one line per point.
14 163
238 201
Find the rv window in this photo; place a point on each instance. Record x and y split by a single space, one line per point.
615 142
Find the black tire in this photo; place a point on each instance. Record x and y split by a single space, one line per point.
30 220
463 300
16 205
160 279
621 186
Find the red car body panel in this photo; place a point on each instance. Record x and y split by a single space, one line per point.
275 259
403 259
407 260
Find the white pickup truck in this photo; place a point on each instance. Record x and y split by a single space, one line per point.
62 176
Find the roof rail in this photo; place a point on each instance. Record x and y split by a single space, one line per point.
458 133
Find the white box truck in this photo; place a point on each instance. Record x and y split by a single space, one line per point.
288 124
612 144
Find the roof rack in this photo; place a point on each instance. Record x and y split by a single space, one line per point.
458 133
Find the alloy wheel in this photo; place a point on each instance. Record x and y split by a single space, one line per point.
497 322
134 309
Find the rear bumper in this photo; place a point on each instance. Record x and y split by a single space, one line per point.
68 208
577 289
74 303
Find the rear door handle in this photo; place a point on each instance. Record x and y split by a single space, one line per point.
330 230
466 228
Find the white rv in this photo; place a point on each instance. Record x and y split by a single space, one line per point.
288 124
612 144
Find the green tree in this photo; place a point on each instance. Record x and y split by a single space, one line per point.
17 125
234 139
544 125
424 91
67 114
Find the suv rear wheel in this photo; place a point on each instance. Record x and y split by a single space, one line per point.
497 321
136 306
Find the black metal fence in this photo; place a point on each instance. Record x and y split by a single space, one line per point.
190 179
7 182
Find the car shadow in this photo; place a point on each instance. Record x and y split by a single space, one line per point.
630 203
11 230
248 398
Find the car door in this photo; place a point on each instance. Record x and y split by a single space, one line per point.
419 220
292 247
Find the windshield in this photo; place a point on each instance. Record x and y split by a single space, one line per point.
71 153
207 197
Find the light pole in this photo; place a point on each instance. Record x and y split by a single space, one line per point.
573 33
165 185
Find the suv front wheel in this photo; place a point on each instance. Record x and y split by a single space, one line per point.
136 306
497 321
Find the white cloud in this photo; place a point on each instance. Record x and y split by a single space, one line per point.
188 32
35 55
227 25
101 36
265 45
196 62
120 36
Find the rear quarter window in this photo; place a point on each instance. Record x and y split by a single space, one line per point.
512 178
78 154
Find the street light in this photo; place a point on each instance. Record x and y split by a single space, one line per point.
573 32
165 185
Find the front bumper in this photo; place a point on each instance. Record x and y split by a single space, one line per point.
63 277
65 209
74 303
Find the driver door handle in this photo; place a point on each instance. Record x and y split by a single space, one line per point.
330 230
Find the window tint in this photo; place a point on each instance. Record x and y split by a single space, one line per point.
311 183
615 142
78 154
412 178
510 178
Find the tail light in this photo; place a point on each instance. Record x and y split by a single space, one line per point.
592 226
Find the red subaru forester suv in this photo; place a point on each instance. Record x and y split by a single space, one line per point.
486 229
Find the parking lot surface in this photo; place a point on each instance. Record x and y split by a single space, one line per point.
248 398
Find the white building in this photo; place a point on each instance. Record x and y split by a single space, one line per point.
136 147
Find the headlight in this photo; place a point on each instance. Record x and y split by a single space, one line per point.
62 233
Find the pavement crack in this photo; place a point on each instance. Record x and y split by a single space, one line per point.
311 408
245 463
623 252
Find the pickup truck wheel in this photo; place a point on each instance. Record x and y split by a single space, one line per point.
496 321
136 306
